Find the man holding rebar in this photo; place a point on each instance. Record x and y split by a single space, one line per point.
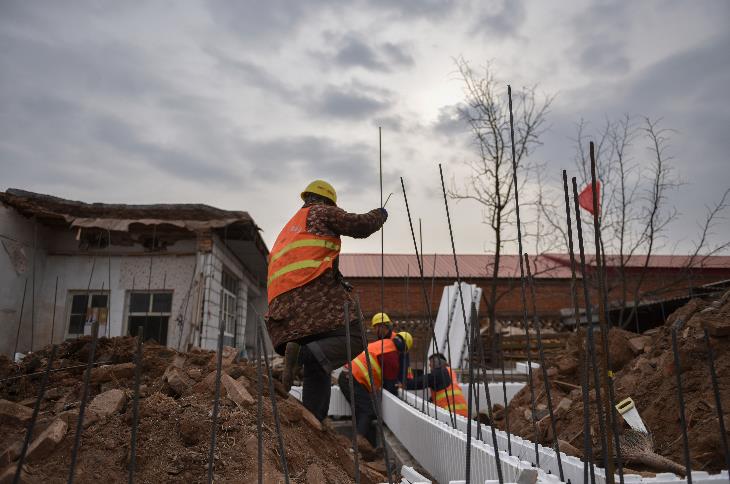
388 362
307 293
441 380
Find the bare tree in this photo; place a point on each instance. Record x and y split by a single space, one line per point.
490 182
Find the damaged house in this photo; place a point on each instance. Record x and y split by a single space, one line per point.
178 271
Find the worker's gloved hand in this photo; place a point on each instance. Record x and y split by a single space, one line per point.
346 285
384 212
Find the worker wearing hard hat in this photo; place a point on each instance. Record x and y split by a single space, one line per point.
445 389
382 325
307 294
387 359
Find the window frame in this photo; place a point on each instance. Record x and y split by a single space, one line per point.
90 297
230 286
128 313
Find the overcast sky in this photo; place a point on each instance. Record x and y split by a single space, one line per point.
238 104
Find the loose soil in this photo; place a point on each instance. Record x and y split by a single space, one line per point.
647 374
174 427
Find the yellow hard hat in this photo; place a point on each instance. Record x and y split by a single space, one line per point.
407 338
380 318
321 188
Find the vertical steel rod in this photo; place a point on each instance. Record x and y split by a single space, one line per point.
543 367
274 409
20 319
425 293
680 400
602 303
591 347
34 418
587 444
32 306
84 398
523 289
351 386
53 317
259 409
377 406
135 404
216 401
718 400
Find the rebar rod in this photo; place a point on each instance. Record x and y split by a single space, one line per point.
469 336
34 417
718 400
135 404
543 367
609 400
274 409
351 386
523 290
32 300
84 398
20 319
216 401
53 317
259 410
680 400
372 391
588 467
109 274
589 317
425 293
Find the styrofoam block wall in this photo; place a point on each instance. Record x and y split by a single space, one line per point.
523 450
440 449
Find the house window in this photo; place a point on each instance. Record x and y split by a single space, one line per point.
87 306
229 303
151 311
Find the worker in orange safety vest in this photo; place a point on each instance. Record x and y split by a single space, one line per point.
441 380
307 293
388 357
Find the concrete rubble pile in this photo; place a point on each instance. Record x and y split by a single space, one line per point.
644 370
177 394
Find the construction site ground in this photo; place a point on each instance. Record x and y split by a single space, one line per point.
176 401
645 371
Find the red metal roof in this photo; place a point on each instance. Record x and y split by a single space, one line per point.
470 266
546 266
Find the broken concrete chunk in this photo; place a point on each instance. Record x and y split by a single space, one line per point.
207 385
71 417
7 475
44 444
717 328
107 373
13 413
564 405
236 391
311 419
637 345
109 402
178 381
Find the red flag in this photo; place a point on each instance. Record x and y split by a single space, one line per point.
585 199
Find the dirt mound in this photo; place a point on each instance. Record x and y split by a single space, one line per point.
645 371
175 421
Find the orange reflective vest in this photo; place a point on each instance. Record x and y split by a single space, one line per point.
455 399
360 366
299 257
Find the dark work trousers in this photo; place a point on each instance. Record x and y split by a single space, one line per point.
319 356
364 412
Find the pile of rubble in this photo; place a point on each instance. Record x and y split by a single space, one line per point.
176 402
644 370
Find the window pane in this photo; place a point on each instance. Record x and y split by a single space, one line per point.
155 327
162 302
98 301
139 302
76 324
79 303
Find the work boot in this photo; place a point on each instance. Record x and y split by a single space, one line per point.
291 365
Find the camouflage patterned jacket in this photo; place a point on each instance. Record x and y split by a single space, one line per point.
317 307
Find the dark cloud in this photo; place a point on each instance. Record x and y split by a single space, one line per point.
502 19
252 74
355 50
598 45
348 103
450 120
